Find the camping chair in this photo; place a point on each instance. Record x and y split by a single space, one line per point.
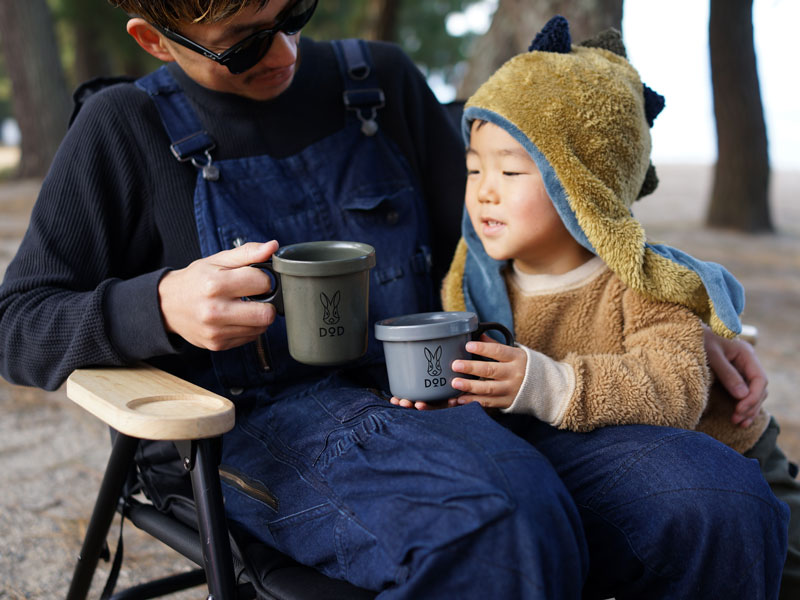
146 403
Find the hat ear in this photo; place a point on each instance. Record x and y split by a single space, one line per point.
554 37
653 104
609 39
650 182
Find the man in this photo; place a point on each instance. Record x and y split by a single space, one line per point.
161 196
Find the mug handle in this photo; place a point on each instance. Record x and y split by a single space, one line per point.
275 295
489 325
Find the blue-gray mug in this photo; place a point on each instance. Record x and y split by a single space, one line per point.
420 348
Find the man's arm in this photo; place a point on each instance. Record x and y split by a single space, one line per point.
77 281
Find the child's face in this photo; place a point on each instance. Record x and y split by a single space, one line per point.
509 207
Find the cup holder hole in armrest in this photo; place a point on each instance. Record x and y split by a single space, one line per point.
179 405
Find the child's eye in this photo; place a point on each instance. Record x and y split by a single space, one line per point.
511 173
472 172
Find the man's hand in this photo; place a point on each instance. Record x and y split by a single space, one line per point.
737 368
203 302
500 378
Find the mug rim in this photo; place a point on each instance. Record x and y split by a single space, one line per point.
362 259
426 326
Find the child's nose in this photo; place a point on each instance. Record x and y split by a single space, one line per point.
487 193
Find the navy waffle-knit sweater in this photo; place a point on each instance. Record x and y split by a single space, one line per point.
115 210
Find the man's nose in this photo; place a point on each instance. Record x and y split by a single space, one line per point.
283 51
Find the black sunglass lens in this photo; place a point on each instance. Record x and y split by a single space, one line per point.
249 54
301 14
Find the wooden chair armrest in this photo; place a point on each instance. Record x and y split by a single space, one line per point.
148 403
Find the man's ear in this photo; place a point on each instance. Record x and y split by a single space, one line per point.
149 39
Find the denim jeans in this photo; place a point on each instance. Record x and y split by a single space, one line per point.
781 475
437 504
668 513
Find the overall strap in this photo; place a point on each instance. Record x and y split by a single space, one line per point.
189 139
362 92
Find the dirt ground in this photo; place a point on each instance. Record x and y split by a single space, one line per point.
52 453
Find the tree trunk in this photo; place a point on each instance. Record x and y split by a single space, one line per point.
382 20
516 23
40 98
739 197
91 60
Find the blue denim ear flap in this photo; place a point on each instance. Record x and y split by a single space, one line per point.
724 291
483 285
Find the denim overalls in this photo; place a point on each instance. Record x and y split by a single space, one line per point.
418 504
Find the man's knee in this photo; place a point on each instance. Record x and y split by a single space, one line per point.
701 516
535 549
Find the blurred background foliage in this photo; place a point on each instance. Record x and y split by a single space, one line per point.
93 42
50 46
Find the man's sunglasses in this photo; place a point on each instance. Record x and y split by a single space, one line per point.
246 54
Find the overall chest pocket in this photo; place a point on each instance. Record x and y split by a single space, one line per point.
389 216
382 214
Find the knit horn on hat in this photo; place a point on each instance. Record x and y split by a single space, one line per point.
584 116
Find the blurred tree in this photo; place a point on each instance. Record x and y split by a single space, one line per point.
96 43
40 98
418 26
516 22
739 198
382 16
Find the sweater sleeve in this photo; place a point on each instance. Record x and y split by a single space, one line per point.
546 389
75 295
660 377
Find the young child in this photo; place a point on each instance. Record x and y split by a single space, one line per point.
608 325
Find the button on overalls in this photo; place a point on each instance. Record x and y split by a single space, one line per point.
319 465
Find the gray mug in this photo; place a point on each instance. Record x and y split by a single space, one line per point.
322 288
420 348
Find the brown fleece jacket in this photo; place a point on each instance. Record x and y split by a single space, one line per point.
611 356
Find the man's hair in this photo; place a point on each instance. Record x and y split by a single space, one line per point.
174 13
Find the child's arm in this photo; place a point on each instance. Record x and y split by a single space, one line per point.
658 377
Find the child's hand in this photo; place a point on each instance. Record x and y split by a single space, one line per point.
420 405
500 381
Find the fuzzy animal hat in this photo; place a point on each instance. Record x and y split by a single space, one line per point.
584 116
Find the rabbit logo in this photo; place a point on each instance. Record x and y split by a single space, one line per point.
434 361
330 315
434 368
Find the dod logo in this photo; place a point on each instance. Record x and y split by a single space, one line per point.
434 368
330 315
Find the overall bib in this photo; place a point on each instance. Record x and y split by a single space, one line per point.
320 465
